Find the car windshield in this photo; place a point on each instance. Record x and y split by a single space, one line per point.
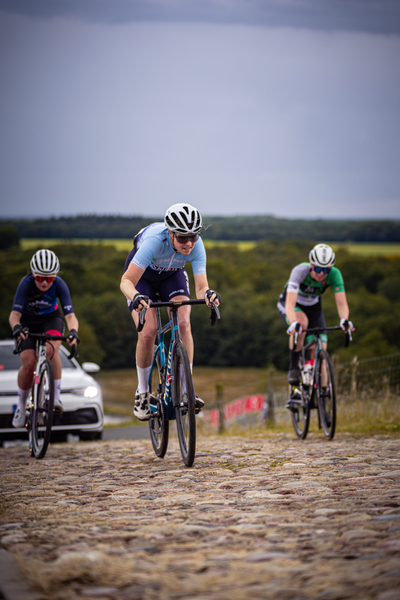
10 361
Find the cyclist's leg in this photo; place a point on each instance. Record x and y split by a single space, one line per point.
28 364
144 350
55 326
25 376
145 343
176 287
294 353
317 319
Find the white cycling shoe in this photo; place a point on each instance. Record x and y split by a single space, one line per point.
58 405
19 419
141 409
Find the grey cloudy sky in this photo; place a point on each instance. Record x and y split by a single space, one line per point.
283 107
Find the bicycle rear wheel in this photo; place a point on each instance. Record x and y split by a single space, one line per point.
326 395
158 424
183 399
42 410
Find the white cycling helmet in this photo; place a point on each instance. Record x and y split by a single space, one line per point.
322 256
183 219
45 262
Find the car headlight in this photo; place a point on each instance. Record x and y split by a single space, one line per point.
91 391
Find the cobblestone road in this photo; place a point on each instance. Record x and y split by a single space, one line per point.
253 519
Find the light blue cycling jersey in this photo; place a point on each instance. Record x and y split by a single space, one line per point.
154 251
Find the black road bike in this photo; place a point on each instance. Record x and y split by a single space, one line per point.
40 407
316 389
171 383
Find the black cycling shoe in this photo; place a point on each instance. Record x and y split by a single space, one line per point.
294 376
198 405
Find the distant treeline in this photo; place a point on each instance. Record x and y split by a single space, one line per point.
255 228
250 281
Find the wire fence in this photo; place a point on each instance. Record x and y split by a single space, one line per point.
359 378
376 375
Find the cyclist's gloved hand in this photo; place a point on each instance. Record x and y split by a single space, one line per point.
73 335
18 330
210 293
292 328
345 324
138 299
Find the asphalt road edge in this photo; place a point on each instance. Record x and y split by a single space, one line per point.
12 586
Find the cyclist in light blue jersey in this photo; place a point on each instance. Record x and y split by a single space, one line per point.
300 302
155 270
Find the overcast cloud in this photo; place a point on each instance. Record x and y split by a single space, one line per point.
281 107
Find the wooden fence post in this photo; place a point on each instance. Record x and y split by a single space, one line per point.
354 375
270 399
220 405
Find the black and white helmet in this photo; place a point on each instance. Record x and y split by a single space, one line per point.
45 262
183 219
322 256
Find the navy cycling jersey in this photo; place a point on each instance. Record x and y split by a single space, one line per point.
29 300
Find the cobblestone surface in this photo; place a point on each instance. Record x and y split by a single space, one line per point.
260 518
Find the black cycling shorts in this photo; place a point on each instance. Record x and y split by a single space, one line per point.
52 323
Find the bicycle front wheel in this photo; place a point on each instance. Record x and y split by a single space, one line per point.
158 424
183 399
326 395
42 410
300 408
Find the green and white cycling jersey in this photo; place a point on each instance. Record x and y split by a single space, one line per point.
310 291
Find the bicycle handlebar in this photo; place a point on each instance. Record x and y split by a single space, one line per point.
215 314
47 337
348 337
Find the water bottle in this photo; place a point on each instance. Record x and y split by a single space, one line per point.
307 372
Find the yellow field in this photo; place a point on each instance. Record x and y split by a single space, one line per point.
126 245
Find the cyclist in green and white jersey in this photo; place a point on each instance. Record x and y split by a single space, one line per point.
300 302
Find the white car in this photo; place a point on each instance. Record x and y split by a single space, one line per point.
80 394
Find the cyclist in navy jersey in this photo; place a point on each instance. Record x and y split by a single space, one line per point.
36 308
300 302
154 270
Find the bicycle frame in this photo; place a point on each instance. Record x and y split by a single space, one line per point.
173 327
40 358
317 341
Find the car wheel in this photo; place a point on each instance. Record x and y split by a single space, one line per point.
90 436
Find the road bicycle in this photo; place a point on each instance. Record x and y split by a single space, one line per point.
172 395
316 389
40 407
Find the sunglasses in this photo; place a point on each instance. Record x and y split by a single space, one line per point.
324 270
45 278
182 239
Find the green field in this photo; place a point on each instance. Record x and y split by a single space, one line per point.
364 249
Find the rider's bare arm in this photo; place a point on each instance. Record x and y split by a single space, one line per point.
201 285
129 281
290 305
14 318
342 307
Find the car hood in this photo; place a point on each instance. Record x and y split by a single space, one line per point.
8 382
75 378
72 379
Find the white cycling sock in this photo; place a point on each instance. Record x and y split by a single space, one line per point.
22 398
183 380
57 389
143 379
